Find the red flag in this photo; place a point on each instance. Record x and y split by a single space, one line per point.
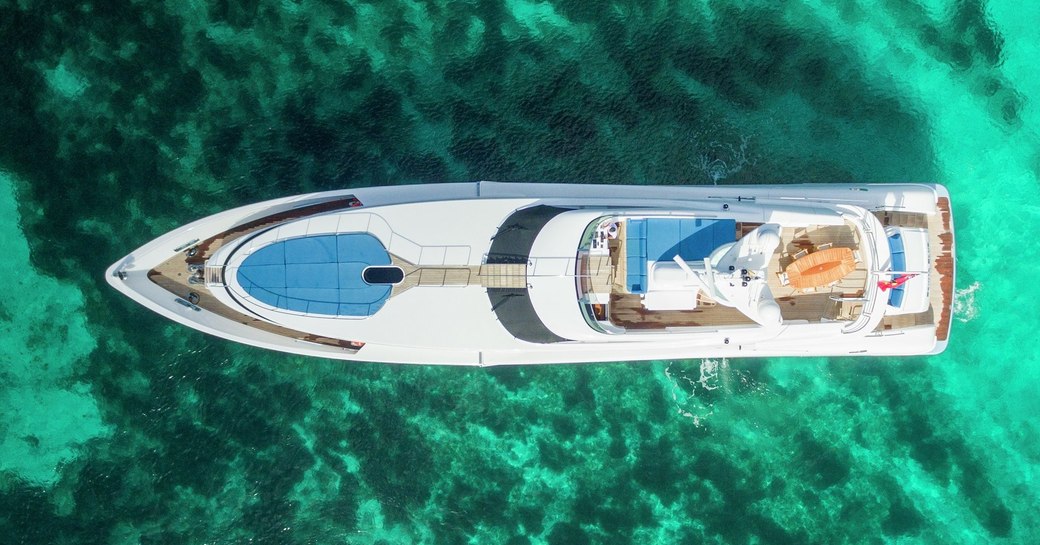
895 282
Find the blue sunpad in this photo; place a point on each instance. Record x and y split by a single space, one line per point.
317 274
895 244
661 239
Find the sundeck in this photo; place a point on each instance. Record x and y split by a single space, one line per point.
490 273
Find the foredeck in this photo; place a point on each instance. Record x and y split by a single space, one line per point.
175 274
626 309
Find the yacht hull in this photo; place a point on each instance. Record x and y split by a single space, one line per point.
450 299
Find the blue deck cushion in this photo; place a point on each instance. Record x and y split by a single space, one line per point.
661 239
318 274
635 255
895 244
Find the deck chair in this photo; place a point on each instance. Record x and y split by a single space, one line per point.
824 246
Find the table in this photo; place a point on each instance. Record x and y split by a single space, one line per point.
605 232
820 268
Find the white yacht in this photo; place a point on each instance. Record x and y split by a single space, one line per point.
492 273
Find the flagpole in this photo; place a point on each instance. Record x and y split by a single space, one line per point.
900 272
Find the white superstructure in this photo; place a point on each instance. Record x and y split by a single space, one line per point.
499 273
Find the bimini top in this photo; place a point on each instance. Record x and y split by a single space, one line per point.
319 274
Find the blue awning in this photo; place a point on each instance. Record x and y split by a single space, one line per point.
318 274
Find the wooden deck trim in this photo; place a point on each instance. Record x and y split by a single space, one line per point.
177 284
207 247
945 267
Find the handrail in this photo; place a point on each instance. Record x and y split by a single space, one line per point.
901 272
870 298
845 299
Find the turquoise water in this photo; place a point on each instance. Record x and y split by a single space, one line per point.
122 120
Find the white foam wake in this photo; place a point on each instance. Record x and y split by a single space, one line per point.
964 308
719 160
685 387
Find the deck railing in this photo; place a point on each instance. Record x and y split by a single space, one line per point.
866 222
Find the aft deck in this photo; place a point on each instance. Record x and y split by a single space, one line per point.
940 292
626 309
